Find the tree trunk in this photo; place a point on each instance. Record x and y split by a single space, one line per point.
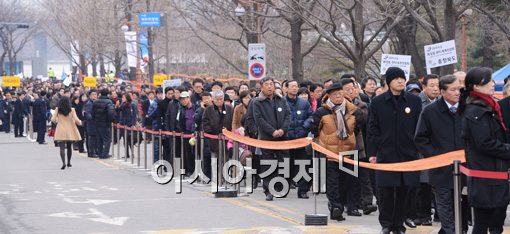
117 63
406 34
12 64
150 41
450 21
297 57
94 67
2 60
102 70
487 51
359 39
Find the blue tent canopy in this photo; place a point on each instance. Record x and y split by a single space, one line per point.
500 75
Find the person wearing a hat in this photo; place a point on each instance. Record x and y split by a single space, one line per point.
392 121
413 88
334 127
186 123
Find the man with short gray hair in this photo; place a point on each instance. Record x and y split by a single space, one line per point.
215 118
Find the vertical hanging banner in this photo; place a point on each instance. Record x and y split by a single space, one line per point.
440 54
257 61
130 38
144 50
395 60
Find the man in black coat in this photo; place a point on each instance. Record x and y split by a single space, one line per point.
505 111
18 114
390 134
439 131
272 117
7 109
103 115
39 111
90 124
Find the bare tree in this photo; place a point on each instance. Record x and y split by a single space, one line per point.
14 18
354 28
440 26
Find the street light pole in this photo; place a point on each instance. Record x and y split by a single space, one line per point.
138 62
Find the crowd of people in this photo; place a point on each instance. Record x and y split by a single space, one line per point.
387 120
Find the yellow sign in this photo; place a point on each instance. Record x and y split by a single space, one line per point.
159 78
13 81
90 81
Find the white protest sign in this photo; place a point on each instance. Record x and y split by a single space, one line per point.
67 81
440 54
257 61
171 83
395 60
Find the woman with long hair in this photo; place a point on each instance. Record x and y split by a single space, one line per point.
487 149
66 132
128 113
78 104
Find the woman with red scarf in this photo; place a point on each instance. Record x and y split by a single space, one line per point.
487 149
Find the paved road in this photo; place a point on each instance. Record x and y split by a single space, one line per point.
110 196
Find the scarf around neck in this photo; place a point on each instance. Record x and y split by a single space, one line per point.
492 103
339 110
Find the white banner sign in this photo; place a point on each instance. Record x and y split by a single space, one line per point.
395 60
257 61
440 54
130 38
171 83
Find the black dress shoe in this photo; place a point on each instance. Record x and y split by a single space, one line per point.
354 213
43 143
426 222
399 231
63 167
369 209
69 165
410 223
336 214
385 231
269 197
302 196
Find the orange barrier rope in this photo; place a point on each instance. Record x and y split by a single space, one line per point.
272 145
416 165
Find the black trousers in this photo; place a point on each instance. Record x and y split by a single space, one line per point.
104 140
393 206
40 129
81 143
92 145
300 155
18 126
342 189
489 220
420 202
366 186
7 123
274 155
189 157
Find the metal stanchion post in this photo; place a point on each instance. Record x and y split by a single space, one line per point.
113 146
139 139
236 157
173 154
132 145
456 196
160 142
145 151
118 143
125 144
315 219
183 163
153 147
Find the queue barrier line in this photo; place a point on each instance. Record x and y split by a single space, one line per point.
416 165
437 161
272 145
495 175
